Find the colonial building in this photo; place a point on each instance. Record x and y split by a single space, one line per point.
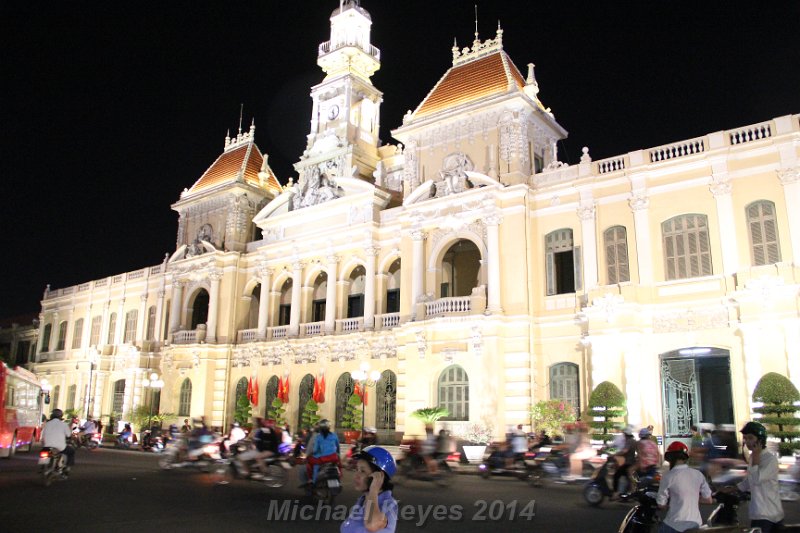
465 265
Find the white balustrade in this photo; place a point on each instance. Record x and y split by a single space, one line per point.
750 133
84 287
155 270
247 335
446 306
348 325
311 329
188 336
136 275
116 279
278 332
676 150
101 282
604 166
389 320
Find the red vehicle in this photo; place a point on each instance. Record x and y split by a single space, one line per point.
20 409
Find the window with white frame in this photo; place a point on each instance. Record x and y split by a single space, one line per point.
185 399
615 241
77 334
151 323
564 385
562 263
454 392
687 252
97 325
130 325
763 229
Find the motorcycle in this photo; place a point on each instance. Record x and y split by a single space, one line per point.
598 488
125 441
328 484
789 480
52 465
497 466
152 442
244 467
643 517
414 466
204 454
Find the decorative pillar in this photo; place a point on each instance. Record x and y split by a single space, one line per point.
330 295
263 301
639 204
157 331
721 189
586 214
213 306
297 285
121 321
790 179
418 270
493 274
369 290
87 327
752 360
175 306
141 319
104 324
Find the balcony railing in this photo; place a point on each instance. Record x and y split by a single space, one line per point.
185 337
448 306
387 321
247 335
349 325
312 328
278 332
328 47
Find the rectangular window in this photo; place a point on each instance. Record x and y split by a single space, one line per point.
130 326
355 305
112 328
393 301
318 310
97 324
615 241
62 336
563 270
763 228
77 334
151 323
284 314
687 252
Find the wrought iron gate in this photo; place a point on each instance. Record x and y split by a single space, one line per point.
681 396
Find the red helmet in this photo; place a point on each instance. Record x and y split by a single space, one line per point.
678 446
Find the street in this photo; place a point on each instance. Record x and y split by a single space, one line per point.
113 490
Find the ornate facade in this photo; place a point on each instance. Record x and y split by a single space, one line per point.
465 263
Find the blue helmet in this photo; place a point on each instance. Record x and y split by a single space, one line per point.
379 457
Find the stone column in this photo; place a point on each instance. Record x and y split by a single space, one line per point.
493 252
175 306
369 289
721 189
418 270
588 230
639 204
263 302
104 325
87 327
121 321
213 306
141 319
70 333
157 330
297 285
790 179
330 295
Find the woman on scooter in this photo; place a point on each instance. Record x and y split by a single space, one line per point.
376 510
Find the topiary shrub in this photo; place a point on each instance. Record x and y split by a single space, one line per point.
352 415
277 412
242 410
310 416
606 403
779 412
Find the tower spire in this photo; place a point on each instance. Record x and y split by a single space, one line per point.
241 110
477 39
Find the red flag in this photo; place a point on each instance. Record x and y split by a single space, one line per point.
364 396
315 394
280 389
286 390
357 391
254 397
321 390
250 389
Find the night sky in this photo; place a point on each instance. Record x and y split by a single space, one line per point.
111 109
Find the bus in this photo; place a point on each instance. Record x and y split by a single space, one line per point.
20 409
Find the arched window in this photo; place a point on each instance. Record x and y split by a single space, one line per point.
119 398
77 334
130 325
46 333
564 385
112 328
304 393
97 325
55 395
615 241
62 336
285 306
562 263
318 297
151 323
454 392
270 393
386 398
763 229
71 392
393 288
344 389
185 399
687 252
241 390
355 297
461 266
200 309
252 312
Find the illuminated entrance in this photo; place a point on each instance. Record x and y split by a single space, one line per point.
696 387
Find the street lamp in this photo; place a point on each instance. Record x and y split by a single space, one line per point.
153 383
365 379
92 366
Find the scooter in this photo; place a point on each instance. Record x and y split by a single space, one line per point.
243 467
643 517
52 465
597 489
413 466
203 454
328 484
498 467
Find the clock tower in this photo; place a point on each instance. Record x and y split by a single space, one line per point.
346 106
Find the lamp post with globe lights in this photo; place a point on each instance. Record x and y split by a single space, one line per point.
365 379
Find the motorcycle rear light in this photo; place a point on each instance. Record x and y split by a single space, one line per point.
44 454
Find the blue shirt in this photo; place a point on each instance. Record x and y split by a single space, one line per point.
325 445
355 522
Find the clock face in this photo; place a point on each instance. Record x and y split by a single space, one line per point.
333 112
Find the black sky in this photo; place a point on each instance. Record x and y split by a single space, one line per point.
110 109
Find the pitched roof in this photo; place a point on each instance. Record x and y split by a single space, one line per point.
463 83
240 161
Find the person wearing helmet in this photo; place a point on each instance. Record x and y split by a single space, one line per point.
626 457
325 450
57 435
376 508
765 510
648 457
681 491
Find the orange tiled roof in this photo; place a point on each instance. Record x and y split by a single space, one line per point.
246 159
468 82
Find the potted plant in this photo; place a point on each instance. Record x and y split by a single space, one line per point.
277 412
242 410
310 415
551 416
429 416
351 420
479 436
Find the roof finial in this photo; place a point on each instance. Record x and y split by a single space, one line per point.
476 23
241 110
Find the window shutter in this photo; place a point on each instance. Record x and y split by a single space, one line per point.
550 272
764 244
577 263
609 243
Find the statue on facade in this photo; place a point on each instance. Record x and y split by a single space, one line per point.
452 179
317 189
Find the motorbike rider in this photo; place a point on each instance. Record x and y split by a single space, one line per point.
766 510
124 435
648 457
325 450
376 508
57 434
266 440
236 434
679 491
88 430
626 457
519 443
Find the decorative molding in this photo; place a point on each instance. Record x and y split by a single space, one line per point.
587 212
690 320
273 234
789 175
639 201
418 235
422 343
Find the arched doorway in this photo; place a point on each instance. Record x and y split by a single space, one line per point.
386 398
393 287
199 308
318 297
344 389
270 393
285 303
252 312
696 387
461 265
304 393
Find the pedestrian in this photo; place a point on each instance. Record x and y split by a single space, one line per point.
766 510
187 427
681 491
376 509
